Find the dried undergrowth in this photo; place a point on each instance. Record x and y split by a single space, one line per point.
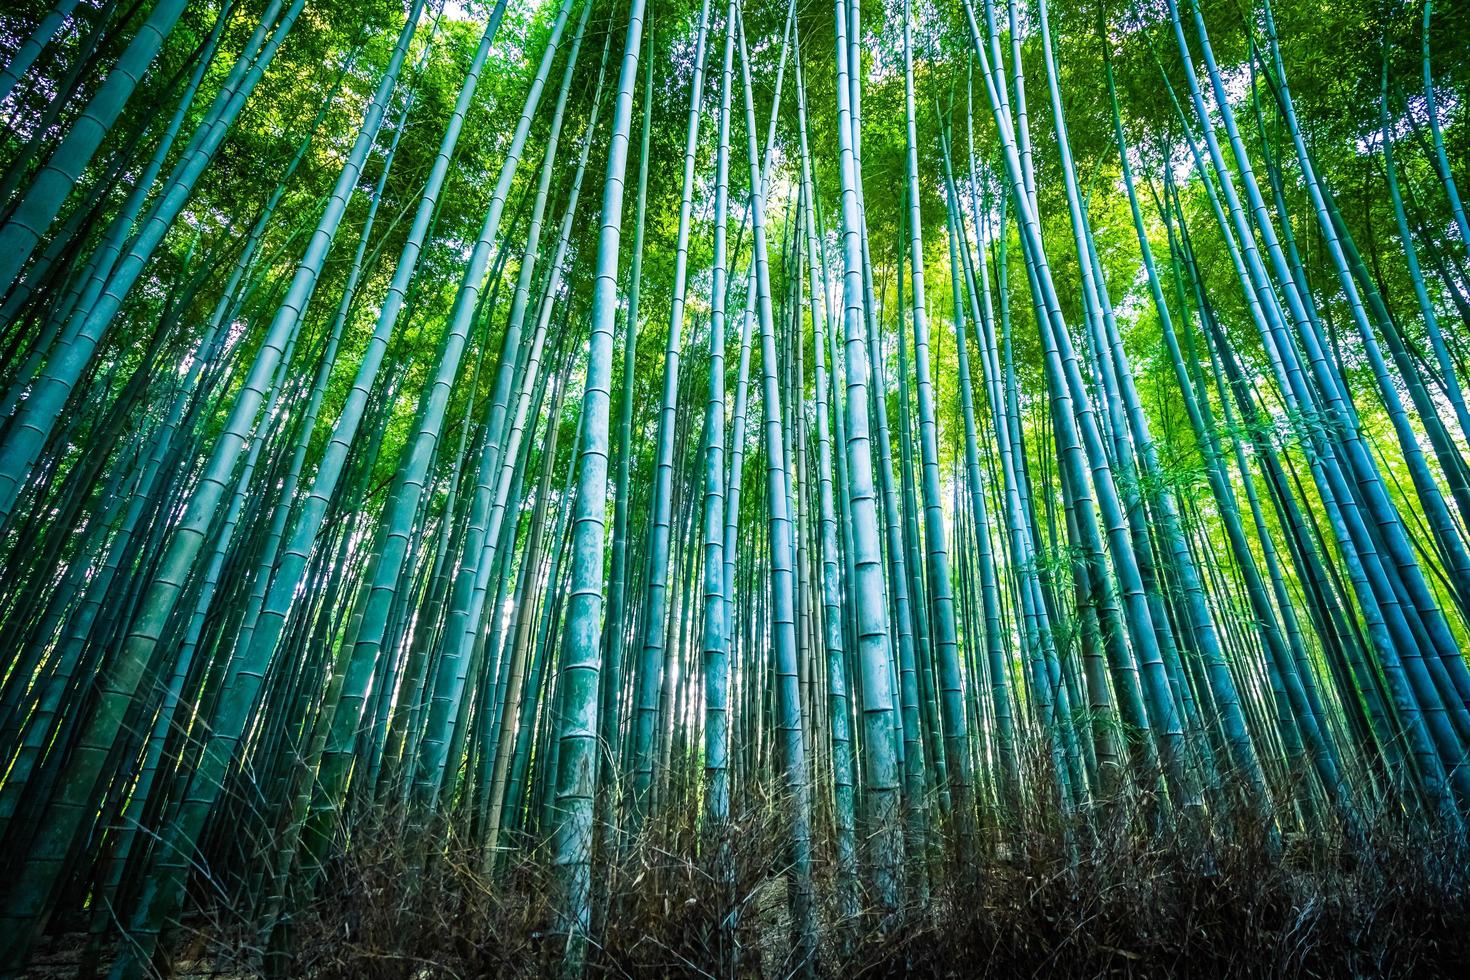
1100 901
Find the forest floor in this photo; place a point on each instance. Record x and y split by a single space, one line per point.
1396 905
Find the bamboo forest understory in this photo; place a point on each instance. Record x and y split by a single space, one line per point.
734 488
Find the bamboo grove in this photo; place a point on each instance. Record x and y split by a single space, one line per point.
554 422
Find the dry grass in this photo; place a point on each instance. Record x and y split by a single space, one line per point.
1117 904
